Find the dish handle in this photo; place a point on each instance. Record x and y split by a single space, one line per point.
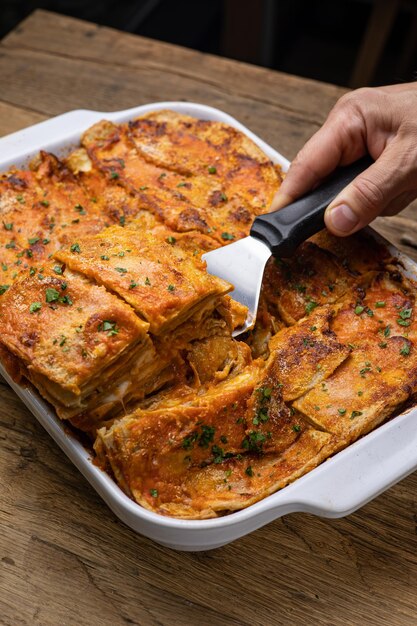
354 476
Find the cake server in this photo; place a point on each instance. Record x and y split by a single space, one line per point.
279 233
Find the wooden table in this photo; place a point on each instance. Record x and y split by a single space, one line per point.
65 559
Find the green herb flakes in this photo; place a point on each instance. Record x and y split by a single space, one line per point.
405 350
51 295
108 327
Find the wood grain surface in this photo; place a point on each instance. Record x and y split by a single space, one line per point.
65 559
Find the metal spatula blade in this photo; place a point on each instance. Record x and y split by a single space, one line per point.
242 263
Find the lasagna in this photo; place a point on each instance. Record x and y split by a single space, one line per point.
106 308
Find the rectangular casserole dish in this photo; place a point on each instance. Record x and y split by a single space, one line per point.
336 488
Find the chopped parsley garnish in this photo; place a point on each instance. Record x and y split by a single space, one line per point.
105 257
121 270
313 328
404 317
181 184
261 417
219 454
296 428
33 240
212 170
147 281
382 344
8 226
143 188
355 414
365 370
35 306
122 220
20 199
254 441
380 304
171 240
132 284
264 392
207 435
387 330
310 306
171 287
154 493
203 439
403 322
75 248
51 295
341 411
114 175
405 350
187 442
108 327
65 299
359 309
57 269
3 289
249 471
45 203
80 209
227 236
223 197
405 314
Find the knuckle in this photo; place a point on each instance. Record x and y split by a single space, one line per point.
358 97
370 193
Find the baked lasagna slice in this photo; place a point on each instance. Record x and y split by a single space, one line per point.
73 340
164 284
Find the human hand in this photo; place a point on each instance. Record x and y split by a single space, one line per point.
381 121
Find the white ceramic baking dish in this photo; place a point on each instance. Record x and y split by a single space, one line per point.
336 488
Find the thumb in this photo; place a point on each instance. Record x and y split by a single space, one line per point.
367 196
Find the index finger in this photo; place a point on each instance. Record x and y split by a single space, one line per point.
338 142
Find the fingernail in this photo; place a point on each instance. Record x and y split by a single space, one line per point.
342 218
280 200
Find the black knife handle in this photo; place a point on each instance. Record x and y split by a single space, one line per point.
284 230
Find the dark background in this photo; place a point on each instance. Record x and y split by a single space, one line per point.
317 39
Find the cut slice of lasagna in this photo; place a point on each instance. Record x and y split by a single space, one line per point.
71 338
160 281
